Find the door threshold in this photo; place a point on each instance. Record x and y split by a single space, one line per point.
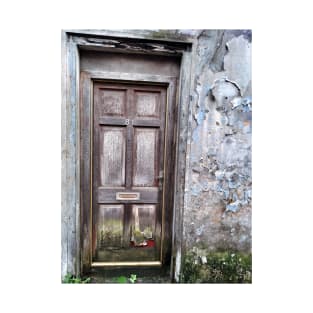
110 264
144 274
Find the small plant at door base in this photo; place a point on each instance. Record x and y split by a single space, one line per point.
121 280
133 278
71 279
124 280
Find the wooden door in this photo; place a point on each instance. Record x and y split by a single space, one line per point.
128 161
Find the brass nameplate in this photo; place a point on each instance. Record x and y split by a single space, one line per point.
128 196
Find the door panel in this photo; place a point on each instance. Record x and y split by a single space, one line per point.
143 226
112 156
147 104
109 228
112 102
146 157
128 162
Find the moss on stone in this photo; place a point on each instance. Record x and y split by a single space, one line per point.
218 267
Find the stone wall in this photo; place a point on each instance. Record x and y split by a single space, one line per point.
217 216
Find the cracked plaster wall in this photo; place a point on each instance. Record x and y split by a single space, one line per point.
217 216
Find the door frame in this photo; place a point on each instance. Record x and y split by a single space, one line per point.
111 41
87 78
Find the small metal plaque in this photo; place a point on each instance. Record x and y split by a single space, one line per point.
128 196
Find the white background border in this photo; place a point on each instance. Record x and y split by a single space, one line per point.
31 157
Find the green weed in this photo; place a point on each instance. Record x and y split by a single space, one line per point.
220 267
124 280
71 279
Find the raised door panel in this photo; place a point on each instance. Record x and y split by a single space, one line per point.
147 104
145 157
108 230
109 226
143 225
112 156
112 102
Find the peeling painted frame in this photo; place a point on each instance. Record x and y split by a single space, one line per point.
127 42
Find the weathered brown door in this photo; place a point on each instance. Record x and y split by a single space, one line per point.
129 154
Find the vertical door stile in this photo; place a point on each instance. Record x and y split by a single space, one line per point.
129 160
130 137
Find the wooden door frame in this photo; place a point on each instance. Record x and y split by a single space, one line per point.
72 201
86 99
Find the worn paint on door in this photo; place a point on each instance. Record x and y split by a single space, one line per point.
129 129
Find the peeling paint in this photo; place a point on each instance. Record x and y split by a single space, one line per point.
226 80
246 103
221 144
237 62
233 207
199 230
219 175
